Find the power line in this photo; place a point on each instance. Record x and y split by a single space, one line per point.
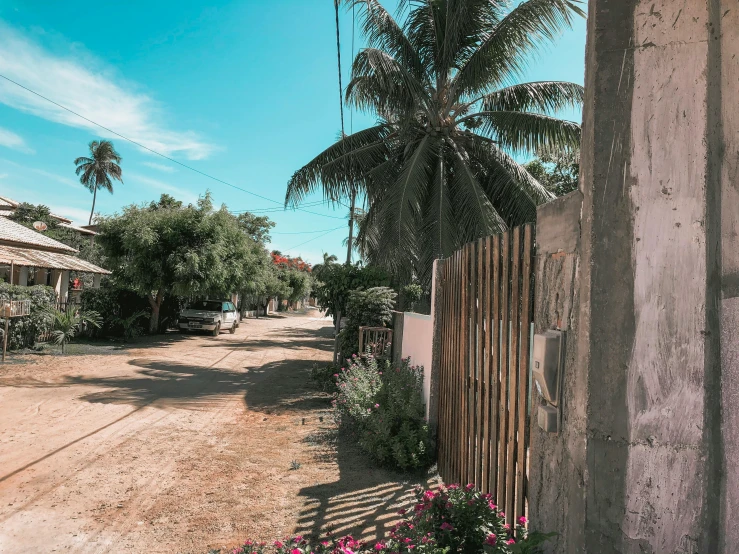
314 238
306 232
159 153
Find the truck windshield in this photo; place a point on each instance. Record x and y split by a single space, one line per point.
206 305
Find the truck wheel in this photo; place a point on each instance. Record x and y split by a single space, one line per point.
233 328
217 330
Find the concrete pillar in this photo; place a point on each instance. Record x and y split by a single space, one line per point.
96 280
64 286
56 282
658 284
23 276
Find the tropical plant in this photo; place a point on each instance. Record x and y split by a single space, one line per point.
24 331
130 324
371 308
437 170
97 170
412 293
67 324
558 171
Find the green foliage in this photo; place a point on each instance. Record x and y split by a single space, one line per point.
166 249
370 308
385 407
130 325
324 377
23 331
99 169
334 282
558 171
439 168
411 294
66 324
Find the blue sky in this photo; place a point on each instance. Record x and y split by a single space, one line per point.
245 91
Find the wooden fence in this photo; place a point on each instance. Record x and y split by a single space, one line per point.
486 311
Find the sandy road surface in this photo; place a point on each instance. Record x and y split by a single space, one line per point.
179 445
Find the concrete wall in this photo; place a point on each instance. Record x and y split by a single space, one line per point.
648 455
557 463
418 335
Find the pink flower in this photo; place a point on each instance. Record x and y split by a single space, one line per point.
278 544
295 551
491 539
469 487
401 512
501 515
510 541
429 495
377 405
380 546
446 527
522 520
492 506
507 527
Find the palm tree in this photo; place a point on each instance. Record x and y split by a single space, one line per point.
66 324
437 170
96 171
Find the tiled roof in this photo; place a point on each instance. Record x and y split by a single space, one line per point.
13 232
28 257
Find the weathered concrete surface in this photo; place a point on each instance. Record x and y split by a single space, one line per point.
556 483
656 362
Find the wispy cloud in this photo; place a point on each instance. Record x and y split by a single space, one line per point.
91 89
58 178
160 186
160 167
10 139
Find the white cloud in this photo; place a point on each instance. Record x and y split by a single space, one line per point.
11 140
90 89
160 167
58 178
179 193
79 216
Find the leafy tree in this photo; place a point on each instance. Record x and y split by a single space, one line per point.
66 324
558 171
97 170
437 170
328 259
336 281
257 227
166 248
372 307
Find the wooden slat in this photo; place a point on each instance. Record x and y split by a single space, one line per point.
494 389
503 391
471 363
513 377
523 374
479 380
459 458
463 369
441 301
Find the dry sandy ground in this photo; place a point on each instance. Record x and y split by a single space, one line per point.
181 444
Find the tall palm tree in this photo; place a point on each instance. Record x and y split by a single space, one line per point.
437 170
97 171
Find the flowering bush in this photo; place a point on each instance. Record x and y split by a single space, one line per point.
383 404
444 521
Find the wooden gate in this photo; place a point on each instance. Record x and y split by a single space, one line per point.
486 311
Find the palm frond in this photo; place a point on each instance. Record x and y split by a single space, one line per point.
527 131
504 52
543 96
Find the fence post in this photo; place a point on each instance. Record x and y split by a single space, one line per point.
436 290
397 346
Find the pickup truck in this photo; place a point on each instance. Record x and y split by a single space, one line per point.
209 315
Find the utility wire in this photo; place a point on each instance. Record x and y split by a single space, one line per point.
306 232
314 238
159 153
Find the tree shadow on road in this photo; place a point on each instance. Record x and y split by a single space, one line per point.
364 501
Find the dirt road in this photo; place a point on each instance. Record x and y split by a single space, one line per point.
181 444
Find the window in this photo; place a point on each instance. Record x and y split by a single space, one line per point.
206 305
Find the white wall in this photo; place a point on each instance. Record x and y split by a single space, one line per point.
418 334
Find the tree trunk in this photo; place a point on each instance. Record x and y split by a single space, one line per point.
156 304
92 211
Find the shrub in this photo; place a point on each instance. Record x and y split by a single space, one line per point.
322 376
23 331
67 324
334 283
444 521
411 295
384 406
373 308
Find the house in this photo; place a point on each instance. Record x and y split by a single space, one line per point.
8 207
31 258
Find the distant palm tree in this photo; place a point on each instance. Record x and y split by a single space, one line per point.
438 168
96 171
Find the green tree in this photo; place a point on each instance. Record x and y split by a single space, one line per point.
97 170
166 248
336 281
558 171
436 171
